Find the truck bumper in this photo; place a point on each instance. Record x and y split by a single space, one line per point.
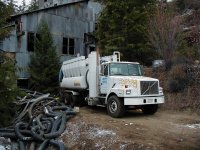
143 100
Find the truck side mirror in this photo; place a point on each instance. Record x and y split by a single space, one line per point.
142 70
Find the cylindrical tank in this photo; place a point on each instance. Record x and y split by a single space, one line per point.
74 83
73 74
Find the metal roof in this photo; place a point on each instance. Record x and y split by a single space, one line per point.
38 10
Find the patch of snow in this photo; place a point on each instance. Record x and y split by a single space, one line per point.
98 132
123 146
192 126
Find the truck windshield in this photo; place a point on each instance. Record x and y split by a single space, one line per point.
125 69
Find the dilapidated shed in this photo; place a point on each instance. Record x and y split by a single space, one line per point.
69 24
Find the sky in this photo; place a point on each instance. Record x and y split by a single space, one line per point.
19 2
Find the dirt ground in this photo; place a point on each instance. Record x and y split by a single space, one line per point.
93 129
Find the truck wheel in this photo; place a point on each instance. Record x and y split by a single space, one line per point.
149 109
66 98
74 101
115 107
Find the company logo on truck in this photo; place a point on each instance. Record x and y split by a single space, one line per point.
130 82
77 83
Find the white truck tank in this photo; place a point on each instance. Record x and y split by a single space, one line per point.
74 73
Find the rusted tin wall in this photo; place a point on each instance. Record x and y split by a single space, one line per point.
72 20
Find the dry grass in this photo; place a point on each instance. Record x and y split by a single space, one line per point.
186 99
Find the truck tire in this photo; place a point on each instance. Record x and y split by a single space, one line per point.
149 109
64 96
74 101
115 107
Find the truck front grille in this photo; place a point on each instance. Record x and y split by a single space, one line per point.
149 87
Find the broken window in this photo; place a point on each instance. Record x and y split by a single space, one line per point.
65 46
31 41
71 46
68 46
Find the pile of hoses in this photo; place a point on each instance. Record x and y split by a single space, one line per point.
42 119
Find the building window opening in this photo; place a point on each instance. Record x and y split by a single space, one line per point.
71 46
65 46
31 41
68 46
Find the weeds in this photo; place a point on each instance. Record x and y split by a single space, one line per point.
181 86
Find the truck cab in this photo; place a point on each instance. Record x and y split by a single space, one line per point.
123 85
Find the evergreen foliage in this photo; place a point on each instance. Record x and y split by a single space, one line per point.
122 26
44 65
8 87
33 5
5 12
12 4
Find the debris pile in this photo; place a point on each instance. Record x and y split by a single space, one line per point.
41 120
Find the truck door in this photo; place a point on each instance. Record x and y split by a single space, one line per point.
104 79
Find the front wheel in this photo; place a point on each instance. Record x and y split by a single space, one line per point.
115 107
149 109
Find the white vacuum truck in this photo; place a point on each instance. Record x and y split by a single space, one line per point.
109 82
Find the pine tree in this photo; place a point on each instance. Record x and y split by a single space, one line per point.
44 65
12 4
5 12
122 26
8 88
33 5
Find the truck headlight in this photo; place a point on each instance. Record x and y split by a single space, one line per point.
128 92
160 90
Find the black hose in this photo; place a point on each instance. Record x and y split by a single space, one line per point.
41 128
35 135
39 122
6 130
21 145
49 122
60 131
32 146
43 145
60 145
8 135
50 113
56 124
19 134
25 132
47 126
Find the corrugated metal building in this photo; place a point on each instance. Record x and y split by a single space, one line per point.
69 24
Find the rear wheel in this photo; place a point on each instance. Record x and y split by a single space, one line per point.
115 107
69 99
65 97
149 109
74 101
